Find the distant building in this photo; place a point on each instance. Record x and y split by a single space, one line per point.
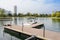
15 10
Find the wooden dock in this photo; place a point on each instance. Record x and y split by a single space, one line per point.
49 35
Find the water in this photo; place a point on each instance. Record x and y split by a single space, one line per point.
50 24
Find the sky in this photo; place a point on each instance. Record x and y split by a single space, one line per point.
33 6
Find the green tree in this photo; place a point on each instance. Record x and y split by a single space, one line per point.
20 15
2 12
57 13
10 15
28 14
35 15
53 14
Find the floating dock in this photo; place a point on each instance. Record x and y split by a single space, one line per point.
49 35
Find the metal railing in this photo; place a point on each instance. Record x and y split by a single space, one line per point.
34 38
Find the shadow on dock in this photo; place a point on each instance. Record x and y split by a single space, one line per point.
16 34
20 35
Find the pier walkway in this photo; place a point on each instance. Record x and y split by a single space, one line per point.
37 32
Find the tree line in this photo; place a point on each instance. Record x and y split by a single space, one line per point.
56 14
34 15
9 14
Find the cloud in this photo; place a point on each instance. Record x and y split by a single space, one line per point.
38 6
9 4
35 6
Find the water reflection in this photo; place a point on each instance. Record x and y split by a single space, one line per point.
16 34
50 24
56 24
15 20
56 20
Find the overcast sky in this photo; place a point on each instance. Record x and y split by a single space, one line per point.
35 6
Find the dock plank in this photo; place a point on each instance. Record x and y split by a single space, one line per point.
37 32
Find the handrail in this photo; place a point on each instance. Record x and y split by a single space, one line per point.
30 37
34 38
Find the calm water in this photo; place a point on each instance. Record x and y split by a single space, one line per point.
50 24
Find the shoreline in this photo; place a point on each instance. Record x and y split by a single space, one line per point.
55 17
29 17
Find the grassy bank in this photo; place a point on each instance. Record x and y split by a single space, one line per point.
55 17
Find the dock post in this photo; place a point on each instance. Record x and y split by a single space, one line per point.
11 37
44 31
22 26
3 33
